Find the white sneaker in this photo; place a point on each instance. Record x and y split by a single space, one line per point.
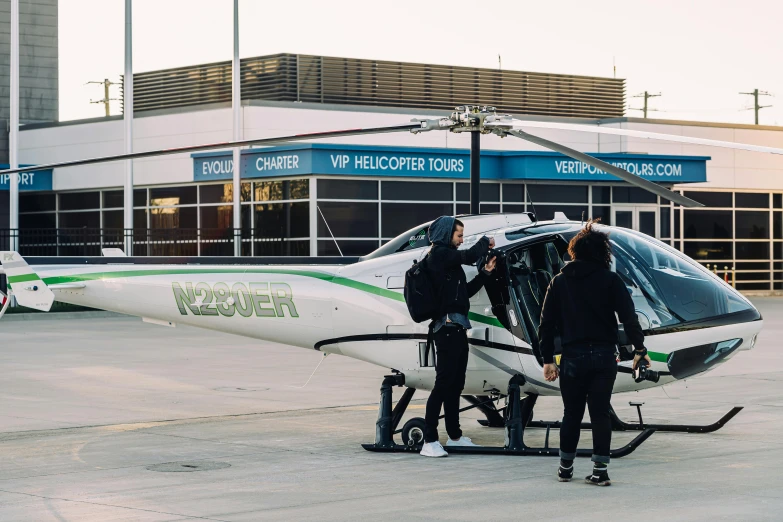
463 441
433 449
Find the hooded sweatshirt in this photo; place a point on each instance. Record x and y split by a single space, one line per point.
580 305
444 263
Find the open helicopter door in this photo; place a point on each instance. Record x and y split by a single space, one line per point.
524 274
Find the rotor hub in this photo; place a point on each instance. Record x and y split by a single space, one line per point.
468 118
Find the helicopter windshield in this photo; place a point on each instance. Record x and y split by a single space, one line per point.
667 287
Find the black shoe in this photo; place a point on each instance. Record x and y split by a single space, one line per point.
598 478
565 474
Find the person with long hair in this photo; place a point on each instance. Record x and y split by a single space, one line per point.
580 306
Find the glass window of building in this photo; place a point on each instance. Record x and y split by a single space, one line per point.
282 220
752 250
282 190
556 193
751 200
80 200
489 192
80 219
602 194
711 199
223 193
463 191
708 250
346 219
604 213
708 224
399 217
47 220
114 219
751 225
632 195
169 196
217 217
173 217
37 202
416 191
513 192
347 189
113 199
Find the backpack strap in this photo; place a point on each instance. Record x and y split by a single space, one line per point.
430 342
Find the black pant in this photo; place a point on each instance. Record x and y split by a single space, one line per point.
587 374
451 343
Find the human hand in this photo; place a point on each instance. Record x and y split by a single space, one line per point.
490 266
638 358
492 242
550 372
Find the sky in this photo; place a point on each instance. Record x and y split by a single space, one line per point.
699 55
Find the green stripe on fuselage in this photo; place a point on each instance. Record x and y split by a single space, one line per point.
323 276
23 278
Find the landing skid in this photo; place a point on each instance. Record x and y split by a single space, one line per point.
389 418
619 425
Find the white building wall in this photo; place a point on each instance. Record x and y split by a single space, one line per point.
728 169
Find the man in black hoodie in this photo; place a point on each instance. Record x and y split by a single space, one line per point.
444 264
580 306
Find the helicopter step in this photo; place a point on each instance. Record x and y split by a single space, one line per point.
518 409
620 425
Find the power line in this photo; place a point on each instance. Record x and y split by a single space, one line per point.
105 101
756 107
646 95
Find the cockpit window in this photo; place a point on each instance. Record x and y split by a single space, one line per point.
668 288
413 238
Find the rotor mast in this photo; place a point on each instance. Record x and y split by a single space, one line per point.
467 118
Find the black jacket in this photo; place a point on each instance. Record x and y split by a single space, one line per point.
445 268
580 304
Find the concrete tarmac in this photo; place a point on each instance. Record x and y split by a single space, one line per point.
109 418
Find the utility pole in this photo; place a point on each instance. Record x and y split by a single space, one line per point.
756 107
105 101
646 95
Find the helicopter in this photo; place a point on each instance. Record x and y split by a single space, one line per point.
693 320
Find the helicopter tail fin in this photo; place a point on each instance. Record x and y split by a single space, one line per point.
27 287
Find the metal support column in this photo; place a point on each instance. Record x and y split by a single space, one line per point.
236 108
128 122
13 136
475 172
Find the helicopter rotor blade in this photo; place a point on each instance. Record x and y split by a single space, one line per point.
606 167
223 145
513 123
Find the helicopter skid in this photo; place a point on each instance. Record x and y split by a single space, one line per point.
620 425
389 418
525 451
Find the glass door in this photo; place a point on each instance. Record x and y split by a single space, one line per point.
643 218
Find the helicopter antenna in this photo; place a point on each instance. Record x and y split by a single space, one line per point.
527 193
330 230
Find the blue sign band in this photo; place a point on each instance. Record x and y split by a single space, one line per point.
359 160
40 180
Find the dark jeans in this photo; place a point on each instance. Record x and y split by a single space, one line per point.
451 343
587 375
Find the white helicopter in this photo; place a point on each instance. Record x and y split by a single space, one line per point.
692 319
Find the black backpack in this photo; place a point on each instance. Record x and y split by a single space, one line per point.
420 294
